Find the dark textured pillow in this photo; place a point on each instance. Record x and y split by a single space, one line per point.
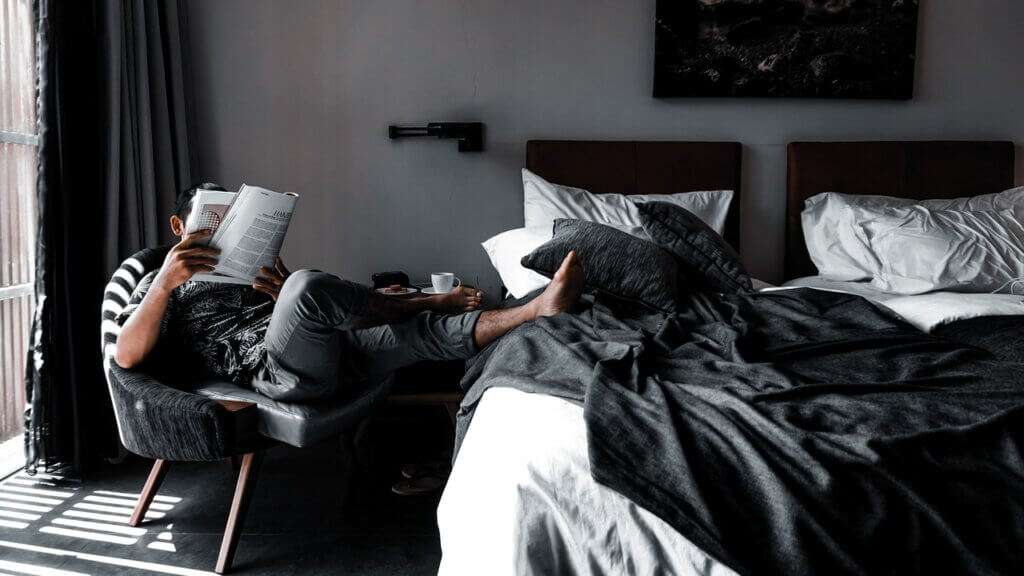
614 262
706 261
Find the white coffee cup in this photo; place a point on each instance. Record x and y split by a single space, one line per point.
444 282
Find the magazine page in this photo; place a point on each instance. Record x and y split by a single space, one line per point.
251 234
209 208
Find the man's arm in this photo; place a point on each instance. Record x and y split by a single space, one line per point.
141 331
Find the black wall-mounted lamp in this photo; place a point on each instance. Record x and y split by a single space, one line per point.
469 134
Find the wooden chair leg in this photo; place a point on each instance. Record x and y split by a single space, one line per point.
156 477
239 506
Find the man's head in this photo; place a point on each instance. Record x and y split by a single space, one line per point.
184 206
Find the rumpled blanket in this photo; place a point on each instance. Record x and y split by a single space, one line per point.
794 432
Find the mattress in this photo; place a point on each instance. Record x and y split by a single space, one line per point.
521 500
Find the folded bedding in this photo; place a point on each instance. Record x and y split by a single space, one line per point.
790 432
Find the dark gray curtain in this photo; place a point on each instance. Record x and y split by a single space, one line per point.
113 151
148 157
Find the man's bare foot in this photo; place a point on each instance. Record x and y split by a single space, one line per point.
457 301
564 289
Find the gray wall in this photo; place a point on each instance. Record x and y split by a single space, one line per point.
298 95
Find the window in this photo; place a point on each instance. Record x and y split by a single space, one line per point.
18 144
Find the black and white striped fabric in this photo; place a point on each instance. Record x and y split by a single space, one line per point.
155 419
119 291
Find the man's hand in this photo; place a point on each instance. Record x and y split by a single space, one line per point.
186 259
270 281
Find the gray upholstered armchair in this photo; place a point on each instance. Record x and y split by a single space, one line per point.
181 419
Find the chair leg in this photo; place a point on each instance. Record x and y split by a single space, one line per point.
156 477
239 506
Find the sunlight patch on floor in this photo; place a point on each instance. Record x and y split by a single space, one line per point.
48 502
104 560
22 568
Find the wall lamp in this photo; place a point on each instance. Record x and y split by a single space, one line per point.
470 135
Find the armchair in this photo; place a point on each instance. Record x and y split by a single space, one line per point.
179 419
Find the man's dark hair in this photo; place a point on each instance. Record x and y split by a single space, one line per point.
184 203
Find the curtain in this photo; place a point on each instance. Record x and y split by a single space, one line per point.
113 150
148 157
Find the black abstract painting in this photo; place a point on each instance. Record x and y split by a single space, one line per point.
785 48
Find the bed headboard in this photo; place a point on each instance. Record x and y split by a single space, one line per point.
643 167
919 170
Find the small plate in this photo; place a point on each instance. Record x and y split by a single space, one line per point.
430 290
405 291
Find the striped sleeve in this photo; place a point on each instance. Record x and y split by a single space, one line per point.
136 299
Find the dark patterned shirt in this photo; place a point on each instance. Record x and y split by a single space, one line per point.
223 325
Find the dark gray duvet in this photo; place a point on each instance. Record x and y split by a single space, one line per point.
795 432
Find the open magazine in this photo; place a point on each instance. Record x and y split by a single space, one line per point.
249 227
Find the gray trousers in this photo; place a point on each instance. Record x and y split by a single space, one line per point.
314 352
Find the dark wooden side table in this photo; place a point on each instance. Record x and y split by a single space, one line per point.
430 384
434 384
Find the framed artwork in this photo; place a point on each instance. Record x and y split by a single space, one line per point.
785 48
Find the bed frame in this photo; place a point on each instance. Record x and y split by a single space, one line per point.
644 167
919 170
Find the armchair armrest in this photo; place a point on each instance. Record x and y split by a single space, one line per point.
158 421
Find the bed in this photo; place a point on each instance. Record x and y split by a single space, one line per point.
523 497
918 170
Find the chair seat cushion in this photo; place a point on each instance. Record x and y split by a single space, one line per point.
301 424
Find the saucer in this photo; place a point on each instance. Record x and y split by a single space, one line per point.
405 291
430 290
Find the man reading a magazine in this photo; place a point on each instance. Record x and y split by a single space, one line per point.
308 335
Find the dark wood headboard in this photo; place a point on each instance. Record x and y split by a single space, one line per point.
643 167
918 170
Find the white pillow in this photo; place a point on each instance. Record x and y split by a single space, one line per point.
544 201
919 250
832 246
507 249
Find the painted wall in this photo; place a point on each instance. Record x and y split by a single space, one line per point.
298 95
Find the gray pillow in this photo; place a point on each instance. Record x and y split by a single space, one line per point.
706 261
614 262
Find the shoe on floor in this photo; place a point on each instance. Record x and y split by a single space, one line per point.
417 486
437 468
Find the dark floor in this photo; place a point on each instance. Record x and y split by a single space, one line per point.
309 514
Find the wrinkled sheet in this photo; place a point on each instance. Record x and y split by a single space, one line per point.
925 311
794 432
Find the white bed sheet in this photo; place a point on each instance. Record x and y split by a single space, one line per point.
864 289
924 311
521 500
